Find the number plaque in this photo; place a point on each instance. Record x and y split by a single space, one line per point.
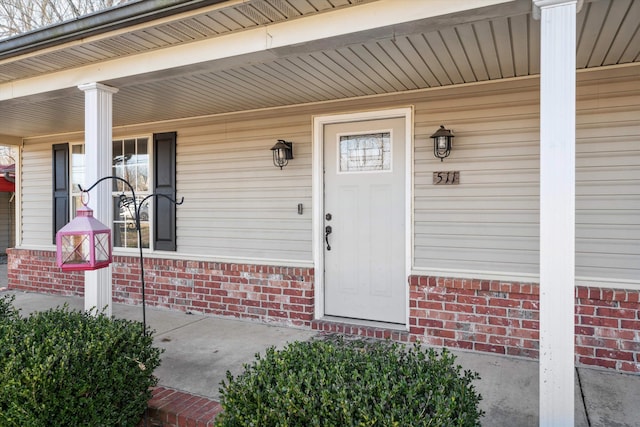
446 178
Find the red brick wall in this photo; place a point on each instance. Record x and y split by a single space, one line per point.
503 318
36 271
481 315
282 295
608 328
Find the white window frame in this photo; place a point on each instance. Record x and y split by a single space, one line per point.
74 192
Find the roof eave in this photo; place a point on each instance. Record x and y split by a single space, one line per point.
97 23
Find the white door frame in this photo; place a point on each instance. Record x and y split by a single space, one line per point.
318 194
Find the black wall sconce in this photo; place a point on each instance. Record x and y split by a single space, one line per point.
442 142
282 153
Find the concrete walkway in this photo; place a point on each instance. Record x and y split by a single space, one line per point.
200 349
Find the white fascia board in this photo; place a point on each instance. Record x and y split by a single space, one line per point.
369 16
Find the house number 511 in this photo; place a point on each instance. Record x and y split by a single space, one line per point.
446 178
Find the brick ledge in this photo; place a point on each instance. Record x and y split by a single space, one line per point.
339 326
174 408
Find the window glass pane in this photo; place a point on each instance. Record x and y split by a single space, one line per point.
76 202
133 166
124 223
365 153
120 224
118 165
124 226
129 148
142 178
126 236
144 229
77 167
142 161
77 176
119 210
142 147
130 161
117 150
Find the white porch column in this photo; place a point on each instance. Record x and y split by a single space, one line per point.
557 208
98 154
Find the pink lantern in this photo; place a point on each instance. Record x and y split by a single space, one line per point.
84 243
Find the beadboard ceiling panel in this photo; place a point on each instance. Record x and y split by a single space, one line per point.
428 55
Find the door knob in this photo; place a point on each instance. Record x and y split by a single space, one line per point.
327 230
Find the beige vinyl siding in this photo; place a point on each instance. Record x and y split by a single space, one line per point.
489 222
608 178
36 198
237 203
238 206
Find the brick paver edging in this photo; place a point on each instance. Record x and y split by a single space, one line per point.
173 408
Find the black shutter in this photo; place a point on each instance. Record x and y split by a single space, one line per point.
164 153
60 187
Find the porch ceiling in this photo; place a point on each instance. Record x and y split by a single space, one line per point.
484 44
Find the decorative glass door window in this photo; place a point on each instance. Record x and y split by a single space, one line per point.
365 152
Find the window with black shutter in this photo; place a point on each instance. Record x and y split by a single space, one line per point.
131 163
164 152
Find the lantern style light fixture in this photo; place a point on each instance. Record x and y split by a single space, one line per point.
282 153
84 243
442 140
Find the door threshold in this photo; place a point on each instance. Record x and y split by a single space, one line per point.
361 327
364 322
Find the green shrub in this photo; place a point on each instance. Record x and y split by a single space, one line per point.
7 312
71 368
350 383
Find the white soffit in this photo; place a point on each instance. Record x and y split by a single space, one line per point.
338 22
479 45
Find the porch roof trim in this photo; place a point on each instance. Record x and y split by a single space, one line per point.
97 23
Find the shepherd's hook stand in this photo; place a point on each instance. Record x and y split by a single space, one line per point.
126 201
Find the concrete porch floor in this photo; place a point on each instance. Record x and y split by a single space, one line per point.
200 349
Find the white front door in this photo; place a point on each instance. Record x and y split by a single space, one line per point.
364 220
